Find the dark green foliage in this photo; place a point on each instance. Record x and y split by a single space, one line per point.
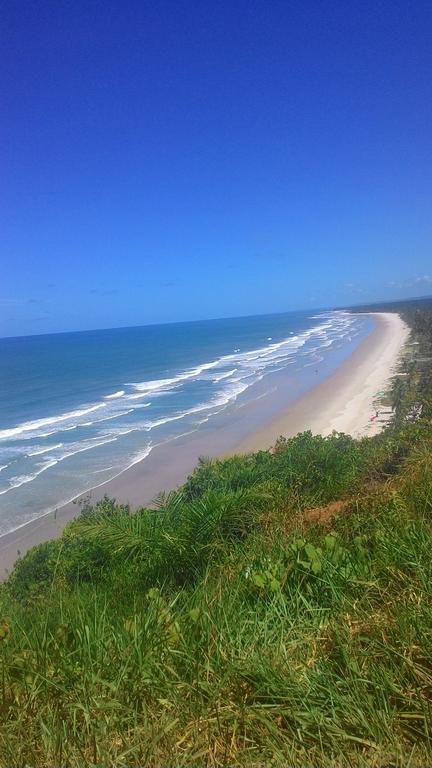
234 473
223 628
312 469
175 542
36 569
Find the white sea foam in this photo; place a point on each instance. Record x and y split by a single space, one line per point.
119 431
99 471
107 418
318 359
140 456
40 451
137 396
71 450
163 384
31 430
224 375
29 426
145 387
83 448
265 356
222 381
19 480
39 435
222 399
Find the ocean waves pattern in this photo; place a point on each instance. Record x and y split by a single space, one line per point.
124 425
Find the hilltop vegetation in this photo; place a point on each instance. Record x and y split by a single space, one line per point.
276 610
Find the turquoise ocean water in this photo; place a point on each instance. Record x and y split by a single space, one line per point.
76 409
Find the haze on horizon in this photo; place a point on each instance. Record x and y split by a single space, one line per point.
176 161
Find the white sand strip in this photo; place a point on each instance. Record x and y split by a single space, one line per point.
344 402
355 413
348 400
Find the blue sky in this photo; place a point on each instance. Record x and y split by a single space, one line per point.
179 160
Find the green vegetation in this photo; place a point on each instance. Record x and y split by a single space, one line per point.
277 610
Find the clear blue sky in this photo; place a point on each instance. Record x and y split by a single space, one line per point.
189 159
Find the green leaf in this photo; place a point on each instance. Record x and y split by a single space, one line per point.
259 580
153 593
194 614
274 585
330 542
129 626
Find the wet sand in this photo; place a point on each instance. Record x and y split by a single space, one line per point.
345 402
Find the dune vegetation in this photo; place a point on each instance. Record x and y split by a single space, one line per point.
276 610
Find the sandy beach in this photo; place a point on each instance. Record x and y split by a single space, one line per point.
346 401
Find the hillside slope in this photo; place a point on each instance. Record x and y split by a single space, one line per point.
277 610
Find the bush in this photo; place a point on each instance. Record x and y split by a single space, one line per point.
35 571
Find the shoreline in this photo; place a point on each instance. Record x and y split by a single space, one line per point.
348 399
347 394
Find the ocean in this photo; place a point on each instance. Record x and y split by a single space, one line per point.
77 409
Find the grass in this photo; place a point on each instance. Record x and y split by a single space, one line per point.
226 628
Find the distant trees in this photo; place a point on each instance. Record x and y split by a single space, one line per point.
398 398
